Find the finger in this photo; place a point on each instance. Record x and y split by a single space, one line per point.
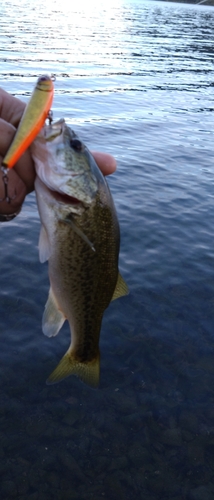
105 162
24 167
11 108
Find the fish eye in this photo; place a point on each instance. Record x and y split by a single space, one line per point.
76 145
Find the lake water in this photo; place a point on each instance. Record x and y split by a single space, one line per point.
135 79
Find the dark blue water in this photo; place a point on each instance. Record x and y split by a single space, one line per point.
134 79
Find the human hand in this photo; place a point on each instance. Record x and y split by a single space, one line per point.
22 176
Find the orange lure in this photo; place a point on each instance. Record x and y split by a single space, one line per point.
32 120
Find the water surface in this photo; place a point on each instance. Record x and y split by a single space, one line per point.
134 79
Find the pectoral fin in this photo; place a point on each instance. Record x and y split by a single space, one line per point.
120 289
88 372
53 319
44 246
79 232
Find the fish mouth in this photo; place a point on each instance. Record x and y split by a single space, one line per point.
64 198
58 196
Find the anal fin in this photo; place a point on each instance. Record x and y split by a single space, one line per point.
53 318
44 246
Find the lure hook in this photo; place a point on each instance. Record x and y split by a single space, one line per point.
50 117
6 198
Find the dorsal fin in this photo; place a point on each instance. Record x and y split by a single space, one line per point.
120 289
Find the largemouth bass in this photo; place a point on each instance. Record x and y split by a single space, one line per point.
80 239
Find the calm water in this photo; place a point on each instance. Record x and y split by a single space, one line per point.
135 79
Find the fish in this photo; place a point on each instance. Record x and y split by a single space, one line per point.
80 239
32 120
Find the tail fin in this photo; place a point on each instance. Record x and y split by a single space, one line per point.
88 372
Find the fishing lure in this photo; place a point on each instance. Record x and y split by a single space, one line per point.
33 119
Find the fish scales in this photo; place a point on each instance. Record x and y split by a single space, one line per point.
86 279
80 239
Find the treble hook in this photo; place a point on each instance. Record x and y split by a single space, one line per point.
6 198
50 117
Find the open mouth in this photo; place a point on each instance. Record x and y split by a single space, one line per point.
64 198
